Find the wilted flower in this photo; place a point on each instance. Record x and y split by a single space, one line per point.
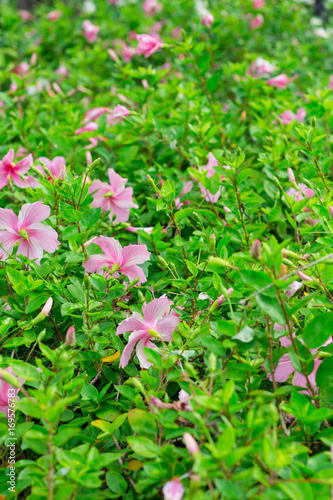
156 323
117 114
54 15
22 69
25 15
89 127
33 237
118 259
190 443
260 67
187 187
279 82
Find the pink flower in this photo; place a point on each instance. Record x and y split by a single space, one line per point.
148 45
54 15
57 168
25 15
288 116
258 4
117 114
92 114
63 71
9 171
22 69
89 127
156 323
118 259
127 53
212 162
187 187
279 82
173 490
6 391
257 22
183 398
114 196
207 20
90 31
26 229
301 193
151 7
293 288
285 368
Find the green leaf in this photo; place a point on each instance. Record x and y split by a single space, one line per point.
142 422
318 330
271 307
324 375
143 446
116 482
245 335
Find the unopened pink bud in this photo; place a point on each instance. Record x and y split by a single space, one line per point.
330 209
70 336
89 158
221 299
33 59
304 276
190 443
227 210
48 306
256 249
291 176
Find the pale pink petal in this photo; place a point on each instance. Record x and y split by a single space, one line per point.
166 326
126 354
156 309
144 342
23 165
44 236
134 254
283 370
30 249
95 263
111 247
8 220
122 214
134 323
117 182
293 288
134 272
8 240
31 213
18 181
124 199
8 159
285 341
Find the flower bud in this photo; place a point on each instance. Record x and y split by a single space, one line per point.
291 176
190 443
313 122
70 336
212 243
48 306
44 312
304 277
256 249
86 280
330 209
153 185
212 362
162 262
227 210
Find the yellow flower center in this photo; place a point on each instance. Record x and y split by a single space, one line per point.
109 194
24 234
155 334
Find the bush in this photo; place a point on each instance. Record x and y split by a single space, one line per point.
166 251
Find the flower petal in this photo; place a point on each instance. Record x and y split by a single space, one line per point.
111 247
31 213
8 220
131 324
156 309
